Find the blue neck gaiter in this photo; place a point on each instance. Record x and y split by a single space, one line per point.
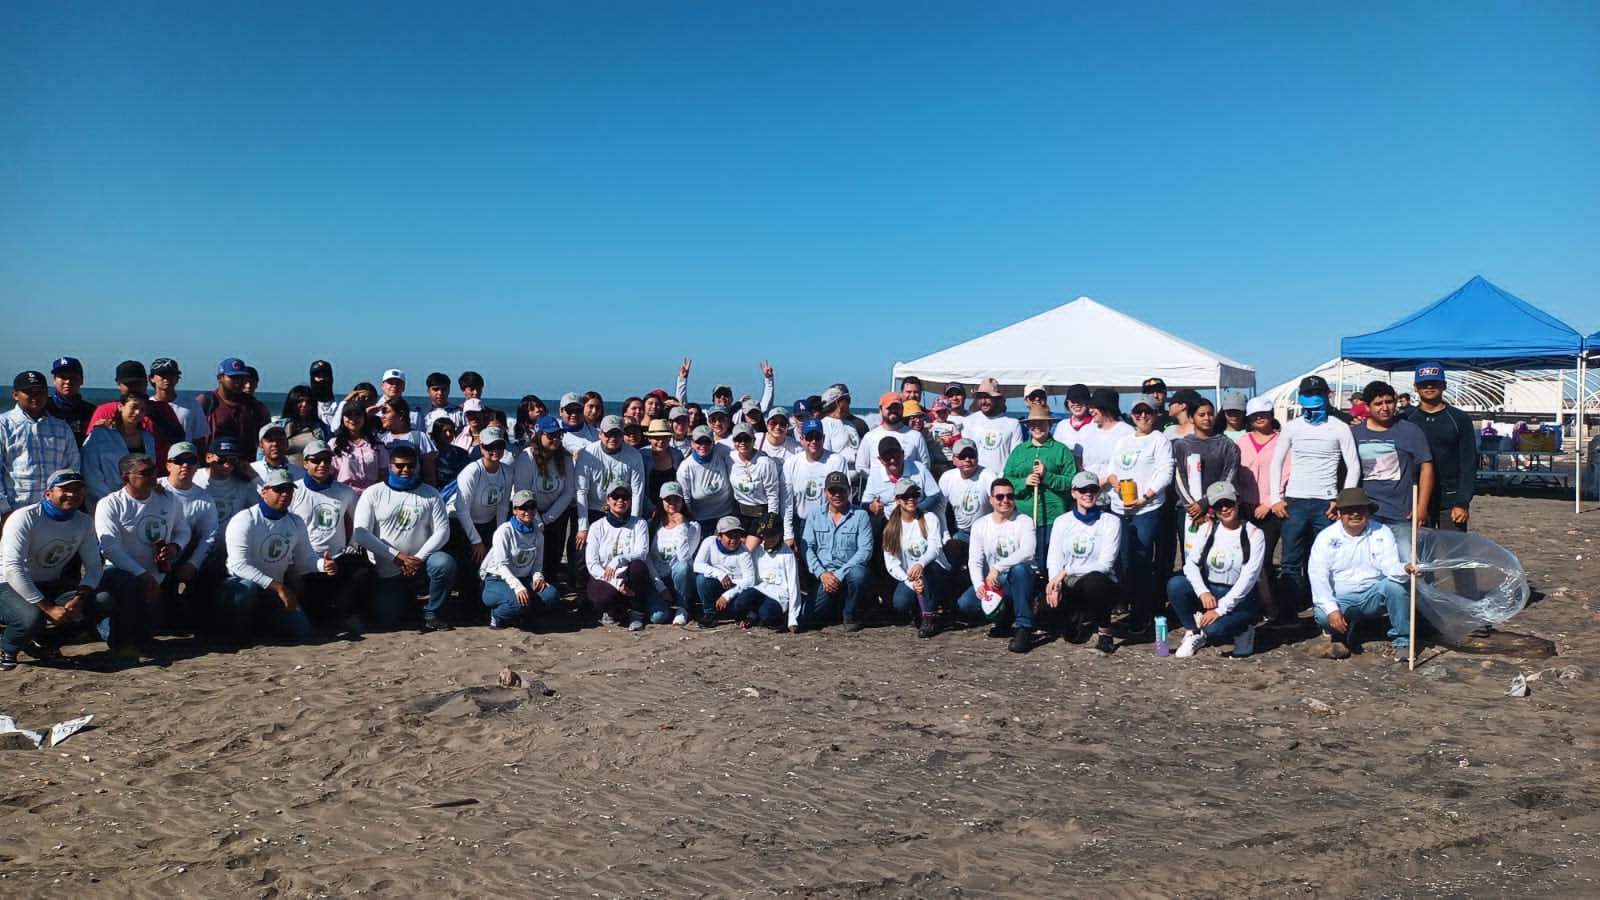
1087 518
54 512
269 512
530 528
406 483
318 486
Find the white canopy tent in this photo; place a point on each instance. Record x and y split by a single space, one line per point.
1082 342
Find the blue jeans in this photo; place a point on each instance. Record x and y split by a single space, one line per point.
397 593
1307 518
1017 582
128 615
1228 625
503 605
1137 558
839 604
740 602
683 588
936 582
243 603
1380 597
23 621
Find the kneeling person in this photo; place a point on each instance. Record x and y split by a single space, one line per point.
1082 563
725 575
37 543
1216 597
1356 574
513 570
264 542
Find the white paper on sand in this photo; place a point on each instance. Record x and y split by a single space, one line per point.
58 732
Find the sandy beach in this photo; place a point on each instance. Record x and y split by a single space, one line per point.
678 763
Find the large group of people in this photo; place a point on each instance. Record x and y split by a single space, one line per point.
165 513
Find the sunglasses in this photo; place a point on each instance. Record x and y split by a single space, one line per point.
281 488
837 491
318 460
183 461
998 497
1223 504
402 466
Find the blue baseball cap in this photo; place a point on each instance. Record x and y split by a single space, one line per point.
801 408
547 424
811 425
233 365
225 446
1428 371
67 363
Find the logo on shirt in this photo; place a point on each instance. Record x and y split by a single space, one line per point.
549 484
522 558
55 553
403 518
743 483
774 577
812 489
323 515
276 548
989 440
1004 547
1082 544
1128 458
493 495
969 502
621 544
917 547
713 483
1219 560
150 528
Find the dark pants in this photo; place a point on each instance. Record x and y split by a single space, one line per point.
129 615
334 598
1307 518
563 533
606 598
1140 537
841 603
24 622
741 603
469 588
250 609
1186 604
938 587
1087 598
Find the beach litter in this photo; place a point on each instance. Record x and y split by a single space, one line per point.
14 738
510 678
1519 686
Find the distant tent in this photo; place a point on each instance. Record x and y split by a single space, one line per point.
1479 325
1082 342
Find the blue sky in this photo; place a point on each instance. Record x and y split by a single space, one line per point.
572 195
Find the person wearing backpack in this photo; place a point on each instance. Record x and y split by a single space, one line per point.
1215 597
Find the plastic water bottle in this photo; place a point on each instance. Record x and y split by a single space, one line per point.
1161 636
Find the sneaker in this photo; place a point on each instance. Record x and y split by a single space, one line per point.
495 623
1021 641
708 621
681 619
8 660
1192 641
43 653
354 625
636 621
1326 647
1105 644
1139 629
436 625
928 627
607 619
999 630
1244 644
853 627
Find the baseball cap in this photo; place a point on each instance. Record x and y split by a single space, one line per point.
494 434
1105 399
836 481
1032 389
777 412
889 447
700 433
1220 491
275 477
720 389
1428 371
166 365
66 364
811 426
393 375
911 408
1314 384
28 380
185 448
938 403
523 498
130 370
1258 405
274 425
742 430
570 398
313 447
715 410
801 408
547 424
620 490
671 489
955 387
64 476
472 404
1146 401
906 486
963 445
1151 385
225 446
610 424
1234 400
729 524
321 367
233 366
888 397
1084 479
988 386
677 412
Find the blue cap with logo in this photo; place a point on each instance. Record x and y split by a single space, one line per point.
233 366
547 424
1429 371
225 446
66 363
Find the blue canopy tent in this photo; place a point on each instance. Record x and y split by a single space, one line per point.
1478 326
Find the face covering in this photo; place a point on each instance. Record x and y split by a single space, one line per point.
1087 518
530 528
698 456
54 512
405 483
318 486
616 520
1314 407
269 512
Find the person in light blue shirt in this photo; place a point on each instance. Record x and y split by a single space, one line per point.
838 543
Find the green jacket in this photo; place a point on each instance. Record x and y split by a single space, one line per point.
1059 467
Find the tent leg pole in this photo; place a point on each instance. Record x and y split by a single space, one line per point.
1577 449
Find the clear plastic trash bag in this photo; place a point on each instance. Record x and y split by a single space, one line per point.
1464 580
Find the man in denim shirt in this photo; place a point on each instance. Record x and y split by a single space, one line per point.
838 542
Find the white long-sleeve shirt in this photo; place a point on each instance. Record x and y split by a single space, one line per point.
35 548
803 491
1145 458
230 495
714 562
915 547
1314 465
390 522
669 545
205 529
262 550
1225 564
1078 548
128 529
705 485
1099 444
1000 545
756 482
879 487
912 442
514 556
839 436
553 489
968 497
610 547
995 436
327 514
482 497
1342 564
599 472
778 577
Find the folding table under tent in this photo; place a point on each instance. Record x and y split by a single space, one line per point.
1082 342
1480 326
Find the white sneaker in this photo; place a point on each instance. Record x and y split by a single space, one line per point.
1245 644
1192 641
607 619
680 620
636 621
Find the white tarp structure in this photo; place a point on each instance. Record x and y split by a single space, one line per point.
1481 392
1082 342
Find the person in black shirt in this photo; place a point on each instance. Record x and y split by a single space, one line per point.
1454 443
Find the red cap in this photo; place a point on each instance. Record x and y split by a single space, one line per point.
888 397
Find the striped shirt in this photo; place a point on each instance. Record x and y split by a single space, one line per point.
30 449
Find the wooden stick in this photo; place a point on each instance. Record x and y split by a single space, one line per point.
1411 641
